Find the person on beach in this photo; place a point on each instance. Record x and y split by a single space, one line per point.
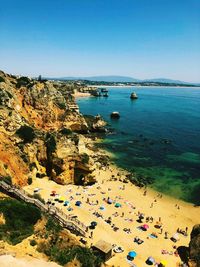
186 231
91 234
166 235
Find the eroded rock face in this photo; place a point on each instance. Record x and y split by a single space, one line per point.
38 121
194 247
95 124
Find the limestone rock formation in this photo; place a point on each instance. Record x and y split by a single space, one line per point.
194 247
95 124
39 131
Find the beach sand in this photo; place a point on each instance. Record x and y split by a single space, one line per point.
173 214
80 94
10 261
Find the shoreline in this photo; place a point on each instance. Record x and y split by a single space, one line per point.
80 95
111 155
172 212
172 193
144 86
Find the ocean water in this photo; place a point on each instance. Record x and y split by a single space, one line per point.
139 139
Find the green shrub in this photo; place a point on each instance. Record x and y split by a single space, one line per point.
6 166
50 143
38 196
26 133
25 158
85 255
7 179
61 105
85 158
75 139
33 242
32 165
66 131
53 226
20 218
22 81
2 80
30 180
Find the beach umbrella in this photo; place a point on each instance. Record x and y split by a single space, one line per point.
117 205
36 190
132 254
53 193
94 223
78 203
164 263
176 236
57 197
102 208
145 226
66 203
150 261
61 199
109 201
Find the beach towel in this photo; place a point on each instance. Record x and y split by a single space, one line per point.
153 236
139 228
131 263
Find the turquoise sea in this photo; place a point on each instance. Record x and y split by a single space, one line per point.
157 135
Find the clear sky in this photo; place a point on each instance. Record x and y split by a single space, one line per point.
137 38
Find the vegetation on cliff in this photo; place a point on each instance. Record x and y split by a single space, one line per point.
60 248
39 128
20 219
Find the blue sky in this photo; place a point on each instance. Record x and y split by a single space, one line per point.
138 38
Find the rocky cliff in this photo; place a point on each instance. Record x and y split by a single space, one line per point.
194 247
40 127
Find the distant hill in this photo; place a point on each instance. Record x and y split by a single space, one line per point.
164 80
102 78
116 78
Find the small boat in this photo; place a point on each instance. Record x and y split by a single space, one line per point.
134 95
115 115
105 94
104 90
96 93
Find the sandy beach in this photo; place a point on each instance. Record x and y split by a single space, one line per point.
123 227
80 94
9 261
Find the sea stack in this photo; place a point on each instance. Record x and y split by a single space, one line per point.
115 115
133 96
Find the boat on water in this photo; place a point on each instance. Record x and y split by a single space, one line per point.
104 90
134 95
105 94
95 93
115 115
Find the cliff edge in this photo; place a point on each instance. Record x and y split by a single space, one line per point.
40 126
